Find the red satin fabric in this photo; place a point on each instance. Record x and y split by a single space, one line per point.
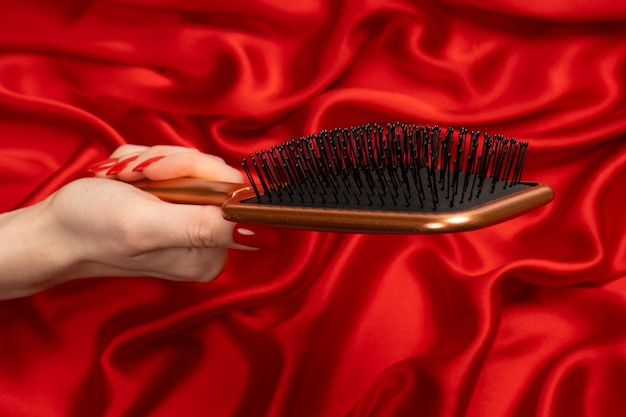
525 318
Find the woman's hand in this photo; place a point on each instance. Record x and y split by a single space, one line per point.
99 227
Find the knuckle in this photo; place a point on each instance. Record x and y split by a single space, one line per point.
170 149
202 234
128 149
208 230
217 159
162 149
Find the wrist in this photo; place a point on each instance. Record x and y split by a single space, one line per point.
35 256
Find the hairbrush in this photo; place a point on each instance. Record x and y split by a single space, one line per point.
396 178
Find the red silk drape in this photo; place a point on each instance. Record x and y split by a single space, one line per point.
525 318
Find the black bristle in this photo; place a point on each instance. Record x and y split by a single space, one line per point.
393 168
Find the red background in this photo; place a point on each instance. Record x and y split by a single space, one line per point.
525 318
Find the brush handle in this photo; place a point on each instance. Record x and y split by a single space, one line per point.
230 197
192 190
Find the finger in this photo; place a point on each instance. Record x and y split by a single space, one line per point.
197 264
176 163
183 264
100 168
198 165
128 150
166 225
122 156
123 161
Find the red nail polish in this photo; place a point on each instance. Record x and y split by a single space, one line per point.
146 163
117 168
99 166
256 236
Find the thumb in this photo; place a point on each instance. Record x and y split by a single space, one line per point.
192 226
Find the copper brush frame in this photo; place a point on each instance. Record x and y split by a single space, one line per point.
229 197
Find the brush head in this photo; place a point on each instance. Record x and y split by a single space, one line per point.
398 168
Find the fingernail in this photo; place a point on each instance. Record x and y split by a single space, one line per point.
117 168
146 163
255 236
99 166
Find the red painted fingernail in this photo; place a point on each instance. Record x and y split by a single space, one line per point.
255 236
117 168
146 163
99 166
